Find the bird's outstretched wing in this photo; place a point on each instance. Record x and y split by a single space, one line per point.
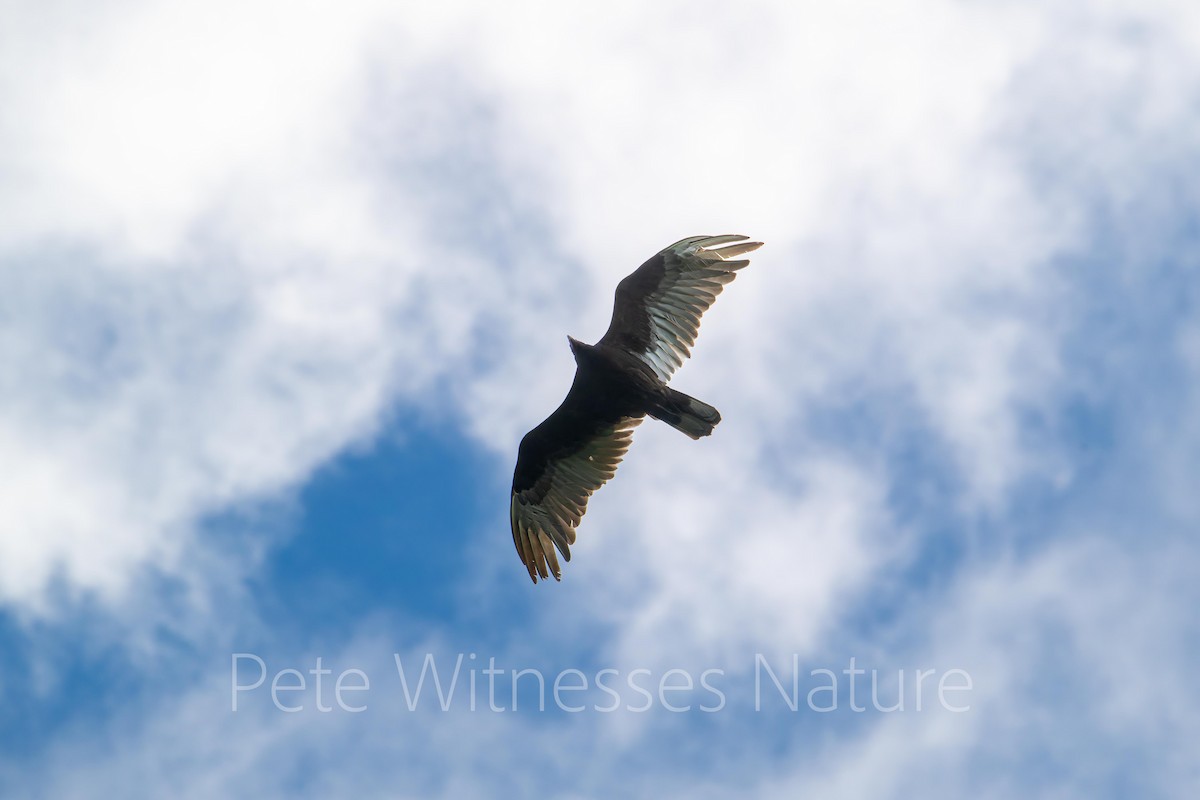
560 464
657 309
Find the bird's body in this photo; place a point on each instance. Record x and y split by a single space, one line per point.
618 381
613 376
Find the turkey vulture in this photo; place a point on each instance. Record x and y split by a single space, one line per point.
618 381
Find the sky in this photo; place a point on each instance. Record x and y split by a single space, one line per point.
284 284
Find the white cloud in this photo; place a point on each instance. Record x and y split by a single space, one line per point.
1077 666
1054 707
205 299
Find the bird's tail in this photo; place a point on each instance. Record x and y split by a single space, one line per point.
687 414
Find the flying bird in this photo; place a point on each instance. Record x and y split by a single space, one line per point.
618 381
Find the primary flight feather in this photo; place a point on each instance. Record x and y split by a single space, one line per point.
618 381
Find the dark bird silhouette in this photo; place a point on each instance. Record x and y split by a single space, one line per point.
618 381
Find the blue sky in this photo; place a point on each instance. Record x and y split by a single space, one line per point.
280 298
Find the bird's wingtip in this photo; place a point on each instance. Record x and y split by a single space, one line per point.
735 250
709 246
